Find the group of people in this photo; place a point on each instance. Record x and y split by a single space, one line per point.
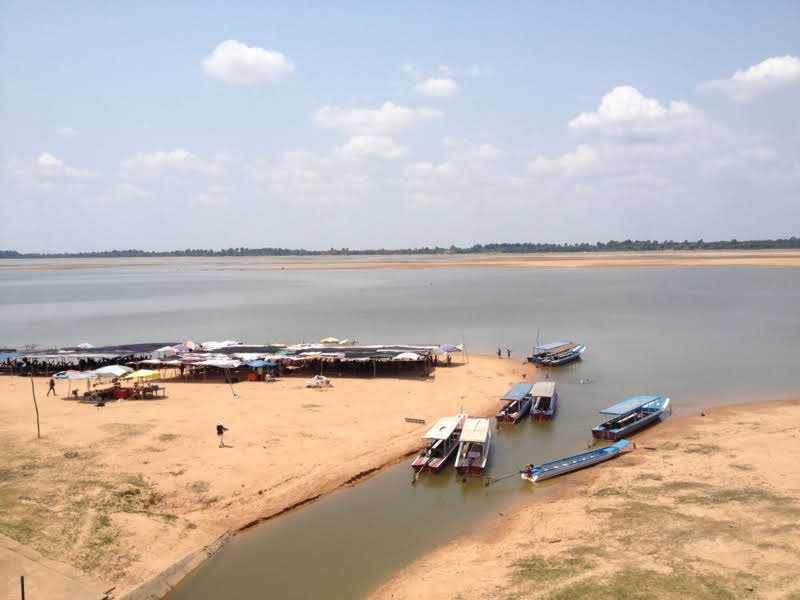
500 352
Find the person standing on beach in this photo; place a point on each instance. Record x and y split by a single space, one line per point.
52 388
508 351
499 353
221 429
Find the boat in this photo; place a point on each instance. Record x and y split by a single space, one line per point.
441 442
554 468
556 353
545 400
473 449
517 403
631 415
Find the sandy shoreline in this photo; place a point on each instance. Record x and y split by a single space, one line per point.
149 486
665 258
705 507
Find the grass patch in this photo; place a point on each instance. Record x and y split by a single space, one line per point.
743 495
635 584
653 476
198 487
168 437
610 491
670 446
704 449
742 467
538 570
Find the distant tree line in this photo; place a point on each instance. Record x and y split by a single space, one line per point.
504 247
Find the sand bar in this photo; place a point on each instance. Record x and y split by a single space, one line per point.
149 485
704 507
665 258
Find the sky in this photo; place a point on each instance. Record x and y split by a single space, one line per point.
389 125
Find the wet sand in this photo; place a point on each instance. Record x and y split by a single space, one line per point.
665 258
150 486
704 507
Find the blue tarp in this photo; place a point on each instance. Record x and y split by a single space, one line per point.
261 363
629 405
551 345
518 391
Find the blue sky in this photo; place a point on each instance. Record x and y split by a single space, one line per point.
398 124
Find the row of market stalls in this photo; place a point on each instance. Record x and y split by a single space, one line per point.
237 360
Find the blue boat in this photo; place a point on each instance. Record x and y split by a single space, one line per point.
556 353
554 468
631 415
516 403
545 400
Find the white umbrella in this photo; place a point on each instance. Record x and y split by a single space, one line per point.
112 371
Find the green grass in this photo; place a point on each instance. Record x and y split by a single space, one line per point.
539 570
704 449
635 584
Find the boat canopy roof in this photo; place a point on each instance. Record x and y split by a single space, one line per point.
518 391
543 389
475 430
631 404
552 346
444 428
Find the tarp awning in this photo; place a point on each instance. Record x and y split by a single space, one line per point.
631 404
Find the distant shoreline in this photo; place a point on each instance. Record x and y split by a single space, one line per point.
650 258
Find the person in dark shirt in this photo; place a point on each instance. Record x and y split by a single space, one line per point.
221 429
52 388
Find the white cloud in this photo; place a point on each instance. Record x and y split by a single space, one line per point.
438 86
428 169
584 160
626 112
234 62
770 75
762 153
47 165
215 195
420 201
488 151
470 71
128 190
66 131
178 160
366 146
387 117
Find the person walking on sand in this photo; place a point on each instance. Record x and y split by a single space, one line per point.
52 387
221 429
508 351
499 353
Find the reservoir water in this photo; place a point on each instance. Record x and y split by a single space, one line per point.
700 335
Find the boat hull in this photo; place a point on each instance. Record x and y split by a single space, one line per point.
425 463
544 415
573 463
513 417
473 470
617 434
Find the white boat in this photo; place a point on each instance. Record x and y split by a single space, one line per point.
441 442
473 449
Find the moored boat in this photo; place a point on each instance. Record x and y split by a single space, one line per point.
554 468
441 442
631 415
473 449
517 403
556 353
545 400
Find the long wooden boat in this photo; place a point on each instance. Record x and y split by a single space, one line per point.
556 353
554 468
517 403
545 400
631 415
473 449
441 442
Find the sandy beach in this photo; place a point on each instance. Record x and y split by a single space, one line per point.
149 484
665 258
706 506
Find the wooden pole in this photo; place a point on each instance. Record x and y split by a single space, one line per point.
22 586
38 431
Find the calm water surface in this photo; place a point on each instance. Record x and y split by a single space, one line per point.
699 335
